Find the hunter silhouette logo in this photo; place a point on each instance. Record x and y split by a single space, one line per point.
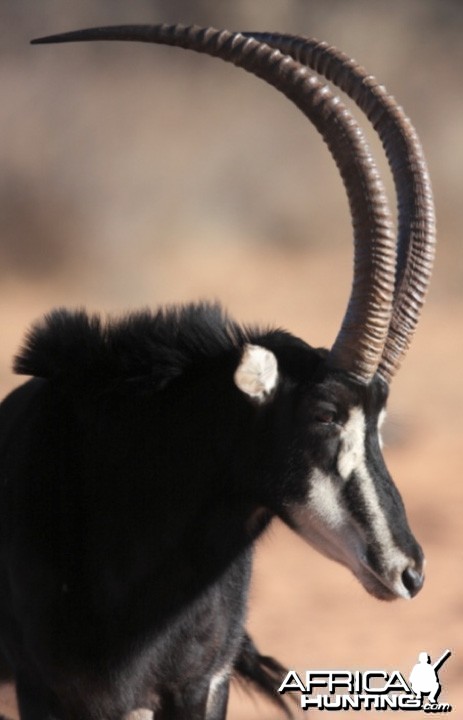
423 677
371 689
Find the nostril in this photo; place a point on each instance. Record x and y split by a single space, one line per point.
413 580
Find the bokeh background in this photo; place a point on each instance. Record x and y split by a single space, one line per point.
132 175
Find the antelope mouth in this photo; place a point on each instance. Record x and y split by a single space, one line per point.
380 587
376 587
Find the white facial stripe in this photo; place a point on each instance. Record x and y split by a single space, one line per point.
353 438
352 457
352 450
381 530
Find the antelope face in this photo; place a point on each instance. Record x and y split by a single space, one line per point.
351 511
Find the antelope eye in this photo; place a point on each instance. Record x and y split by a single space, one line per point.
325 416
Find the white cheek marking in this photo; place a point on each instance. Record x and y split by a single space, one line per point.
324 521
324 499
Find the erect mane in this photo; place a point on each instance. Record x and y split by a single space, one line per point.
77 346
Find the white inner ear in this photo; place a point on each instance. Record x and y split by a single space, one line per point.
257 373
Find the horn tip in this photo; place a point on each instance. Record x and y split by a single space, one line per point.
49 39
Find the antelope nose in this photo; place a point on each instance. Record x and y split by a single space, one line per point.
412 580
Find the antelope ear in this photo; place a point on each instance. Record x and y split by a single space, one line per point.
257 373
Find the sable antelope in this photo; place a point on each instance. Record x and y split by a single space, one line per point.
146 455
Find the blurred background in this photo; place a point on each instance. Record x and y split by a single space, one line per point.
134 175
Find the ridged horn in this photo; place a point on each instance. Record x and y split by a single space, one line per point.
416 216
361 339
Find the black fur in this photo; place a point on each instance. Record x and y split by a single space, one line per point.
154 349
134 479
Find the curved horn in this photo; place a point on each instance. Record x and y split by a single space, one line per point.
416 217
363 332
